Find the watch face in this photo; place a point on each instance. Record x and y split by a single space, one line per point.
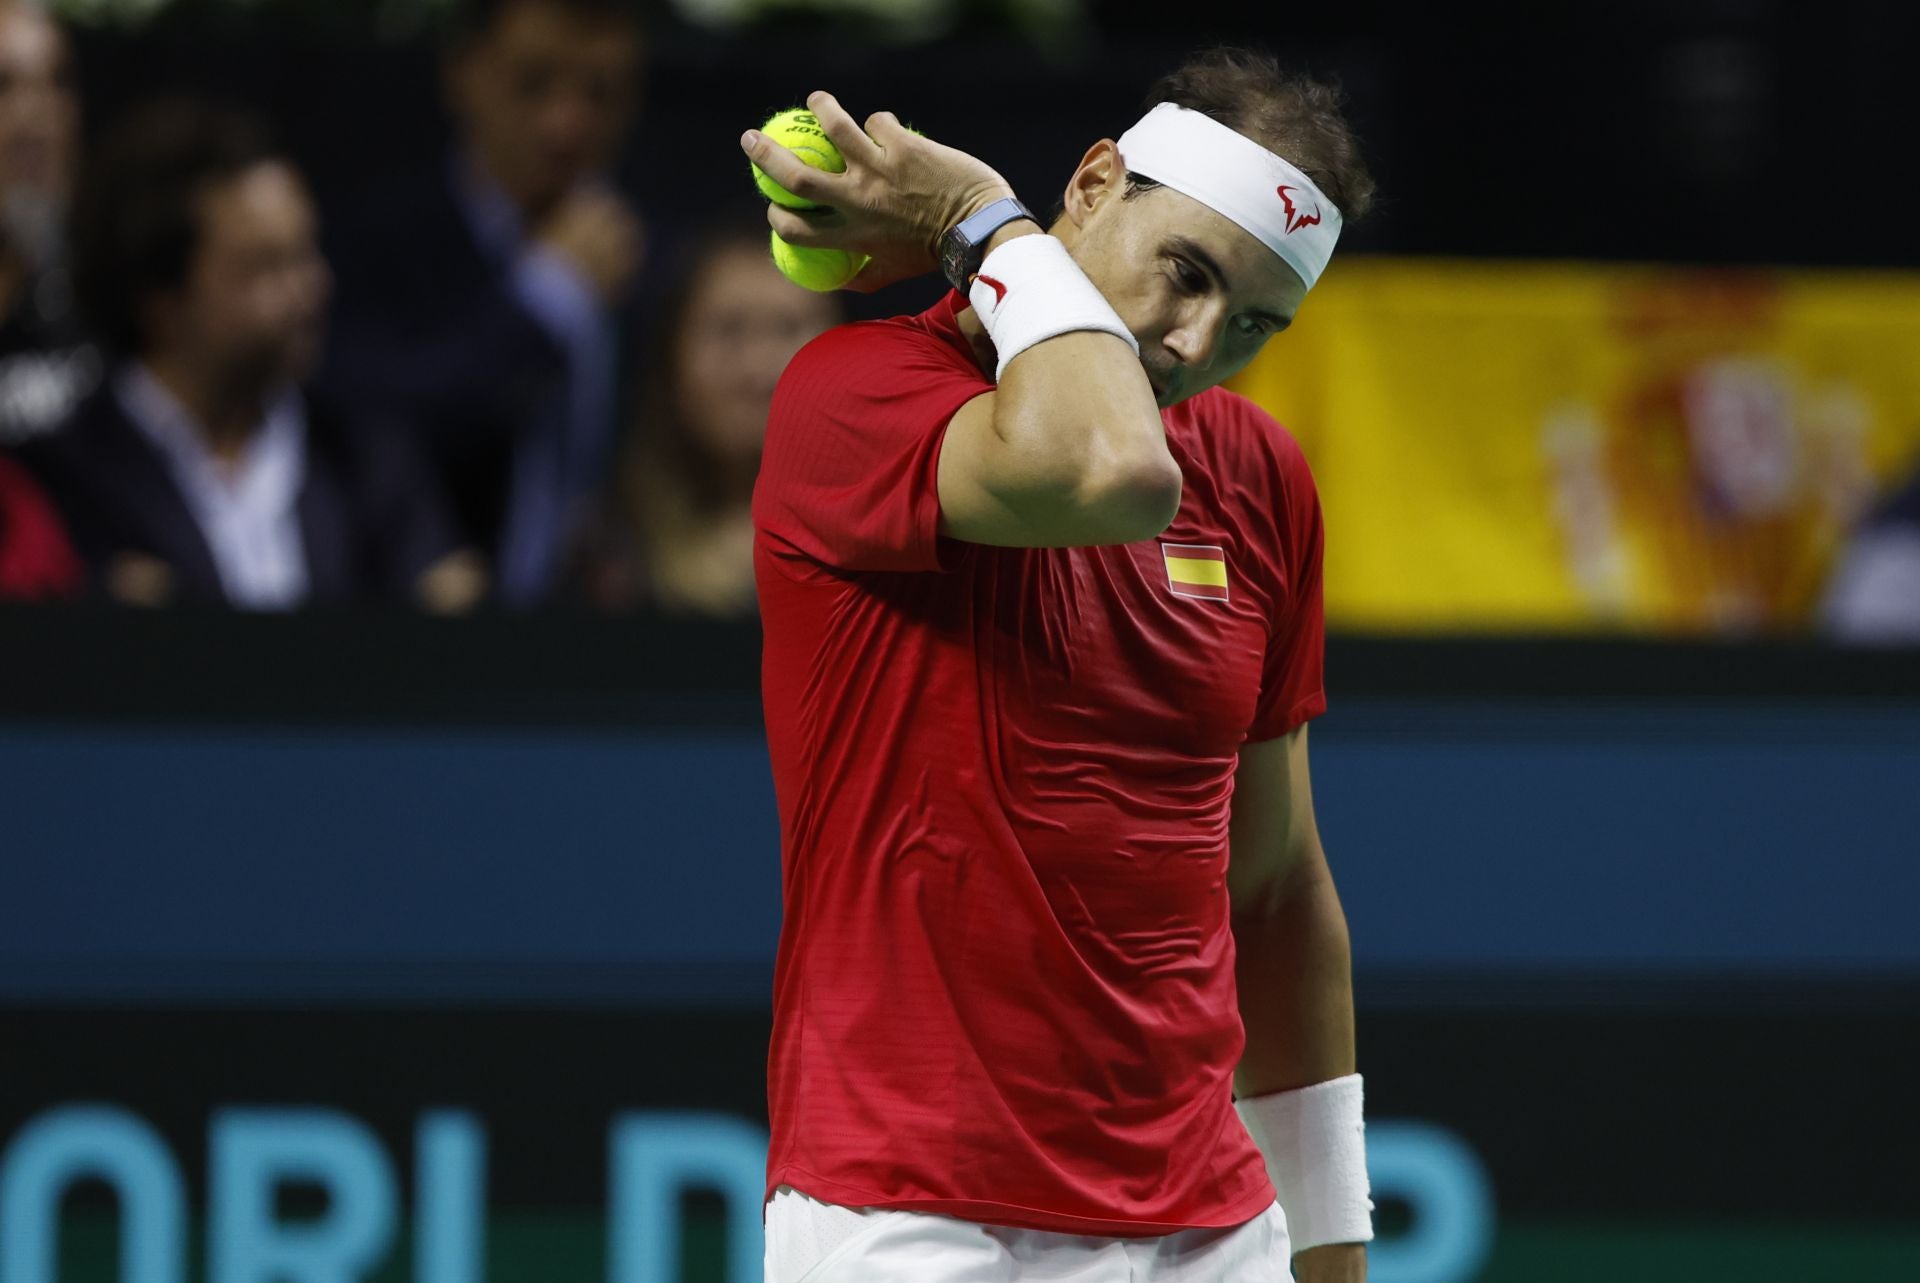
953 259
960 248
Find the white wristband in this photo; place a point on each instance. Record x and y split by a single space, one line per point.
1030 290
1314 1141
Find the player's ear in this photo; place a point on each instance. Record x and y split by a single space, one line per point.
1100 177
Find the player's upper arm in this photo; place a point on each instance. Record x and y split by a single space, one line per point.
1026 471
1272 835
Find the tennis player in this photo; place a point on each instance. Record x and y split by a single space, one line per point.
1043 633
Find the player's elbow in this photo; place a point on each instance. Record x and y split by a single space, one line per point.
1151 496
1064 484
1130 498
1286 884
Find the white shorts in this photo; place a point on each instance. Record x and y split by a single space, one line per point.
814 1242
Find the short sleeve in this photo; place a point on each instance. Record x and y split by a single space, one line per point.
1293 674
850 474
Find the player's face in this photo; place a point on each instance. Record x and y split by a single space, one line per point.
1200 294
544 97
255 300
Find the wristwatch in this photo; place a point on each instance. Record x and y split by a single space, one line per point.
962 247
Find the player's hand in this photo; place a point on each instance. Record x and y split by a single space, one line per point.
1333 1263
598 234
900 193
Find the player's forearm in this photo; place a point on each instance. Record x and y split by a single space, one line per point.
1080 428
1294 970
1081 431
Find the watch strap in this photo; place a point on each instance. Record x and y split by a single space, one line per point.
964 246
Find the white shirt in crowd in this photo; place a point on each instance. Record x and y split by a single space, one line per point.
247 510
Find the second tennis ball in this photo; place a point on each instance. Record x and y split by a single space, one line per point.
821 270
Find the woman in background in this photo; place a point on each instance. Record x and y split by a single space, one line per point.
676 529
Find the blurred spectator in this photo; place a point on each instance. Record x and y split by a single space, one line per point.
200 472
1874 597
45 368
479 299
36 561
676 529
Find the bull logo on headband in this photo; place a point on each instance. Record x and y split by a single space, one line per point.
1295 219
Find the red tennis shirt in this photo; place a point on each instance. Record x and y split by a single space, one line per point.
1005 982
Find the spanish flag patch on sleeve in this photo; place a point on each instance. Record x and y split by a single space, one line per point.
1196 570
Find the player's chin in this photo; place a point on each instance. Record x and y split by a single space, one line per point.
1166 386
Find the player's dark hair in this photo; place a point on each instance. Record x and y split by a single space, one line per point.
1298 117
137 217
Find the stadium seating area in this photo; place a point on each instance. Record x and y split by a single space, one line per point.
535 344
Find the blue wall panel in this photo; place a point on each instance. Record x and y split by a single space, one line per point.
558 865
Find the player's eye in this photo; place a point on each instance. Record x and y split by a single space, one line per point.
1189 277
1253 327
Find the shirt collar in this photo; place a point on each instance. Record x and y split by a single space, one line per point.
269 469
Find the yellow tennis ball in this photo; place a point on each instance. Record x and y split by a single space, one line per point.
819 270
799 131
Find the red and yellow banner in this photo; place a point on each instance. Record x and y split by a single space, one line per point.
1545 446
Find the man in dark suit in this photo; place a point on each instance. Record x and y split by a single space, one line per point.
478 300
200 471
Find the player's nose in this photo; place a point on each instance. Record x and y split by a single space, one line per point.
1201 330
1194 342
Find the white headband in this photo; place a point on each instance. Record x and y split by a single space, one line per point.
1239 179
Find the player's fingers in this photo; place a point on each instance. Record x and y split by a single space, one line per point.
855 147
787 169
884 127
808 228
